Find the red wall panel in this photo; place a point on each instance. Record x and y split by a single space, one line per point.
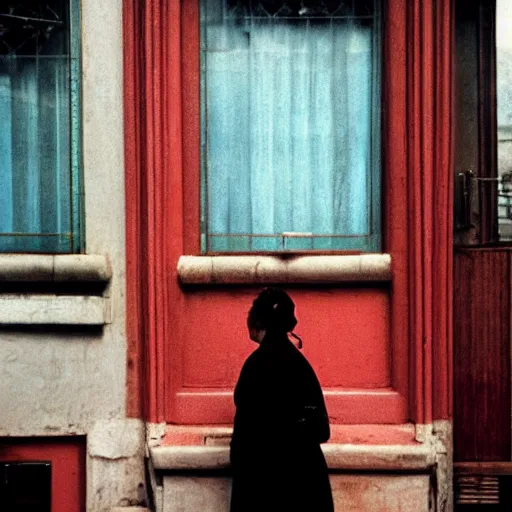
345 333
346 339
67 457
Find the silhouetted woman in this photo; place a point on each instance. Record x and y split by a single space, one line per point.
280 419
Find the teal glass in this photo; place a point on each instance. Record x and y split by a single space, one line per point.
290 108
40 139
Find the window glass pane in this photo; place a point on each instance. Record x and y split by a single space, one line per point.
504 99
290 108
38 142
26 486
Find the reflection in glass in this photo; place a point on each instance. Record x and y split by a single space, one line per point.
504 105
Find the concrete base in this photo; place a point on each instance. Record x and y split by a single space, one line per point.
130 509
380 493
352 493
194 493
411 476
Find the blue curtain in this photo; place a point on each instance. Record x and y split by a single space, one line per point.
288 127
35 184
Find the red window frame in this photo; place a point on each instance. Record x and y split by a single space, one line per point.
190 73
375 405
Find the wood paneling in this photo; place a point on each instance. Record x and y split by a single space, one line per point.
482 305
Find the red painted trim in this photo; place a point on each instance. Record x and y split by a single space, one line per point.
430 199
185 435
133 162
443 242
426 196
153 148
162 177
395 185
418 176
170 364
67 457
191 126
356 406
416 221
150 203
396 242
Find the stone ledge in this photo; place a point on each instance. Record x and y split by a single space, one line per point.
189 457
54 310
420 457
201 435
54 268
130 509
209 270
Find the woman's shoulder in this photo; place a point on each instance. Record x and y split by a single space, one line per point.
255 359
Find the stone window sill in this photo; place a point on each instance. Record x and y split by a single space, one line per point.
54 268
54 290
329 269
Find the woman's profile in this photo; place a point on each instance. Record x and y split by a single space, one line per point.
280 419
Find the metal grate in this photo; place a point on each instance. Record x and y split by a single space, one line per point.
477 490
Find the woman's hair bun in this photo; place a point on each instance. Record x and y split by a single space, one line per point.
273 309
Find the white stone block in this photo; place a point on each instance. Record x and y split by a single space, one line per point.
51 310
116 439
190 457
58 268
207 270
130 509
82 267
26 267
196 493
380 493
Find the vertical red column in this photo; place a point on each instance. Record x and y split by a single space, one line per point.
133 141
429 99
153 226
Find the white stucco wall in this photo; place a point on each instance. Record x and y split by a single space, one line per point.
60 382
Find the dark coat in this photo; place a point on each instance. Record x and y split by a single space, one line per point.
280 421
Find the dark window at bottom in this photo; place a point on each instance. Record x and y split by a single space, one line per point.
25 486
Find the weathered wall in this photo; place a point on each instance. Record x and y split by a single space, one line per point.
354 493
61 381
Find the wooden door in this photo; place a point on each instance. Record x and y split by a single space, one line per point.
482 305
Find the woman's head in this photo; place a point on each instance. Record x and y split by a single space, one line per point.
272 311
